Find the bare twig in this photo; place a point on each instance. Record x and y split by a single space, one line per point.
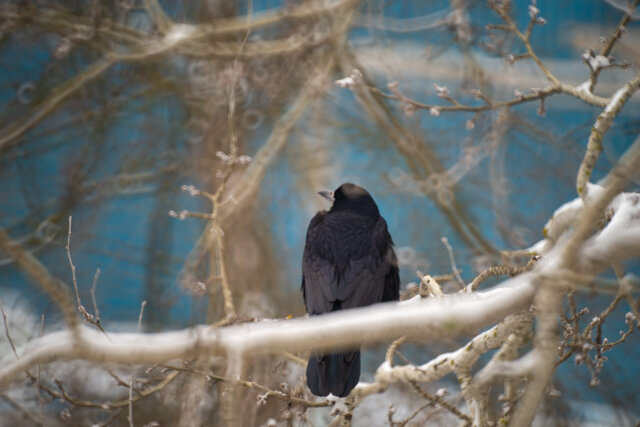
410 417
130 416
500 270
393 348
81 308
73 267
93 295
433 399
6 330
267 392
611 41
64 395
557 85
110 419
37 378
452 260
489 104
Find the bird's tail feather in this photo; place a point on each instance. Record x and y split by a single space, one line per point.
336 373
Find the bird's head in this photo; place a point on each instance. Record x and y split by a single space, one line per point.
352 197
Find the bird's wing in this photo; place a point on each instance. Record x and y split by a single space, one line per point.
364 279
392 279
319 278
392 283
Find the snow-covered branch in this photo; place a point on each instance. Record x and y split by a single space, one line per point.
421 319
461 359
566 256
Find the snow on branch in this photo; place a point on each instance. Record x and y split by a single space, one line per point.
461 359
620 239
617 240
429 318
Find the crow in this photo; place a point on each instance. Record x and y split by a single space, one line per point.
348 262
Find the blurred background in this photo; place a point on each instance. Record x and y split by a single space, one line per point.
108 108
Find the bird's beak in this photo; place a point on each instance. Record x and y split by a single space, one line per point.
327 195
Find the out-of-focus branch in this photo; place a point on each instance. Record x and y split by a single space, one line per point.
15 130
267 392
7 331
248 183
26 411
503 364
63 395
271 17
53 19
187 39
226 200
157 15
420 157
33 269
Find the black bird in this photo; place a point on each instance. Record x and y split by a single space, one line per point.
348 262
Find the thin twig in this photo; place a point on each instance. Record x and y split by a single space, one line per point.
233 139
130 416
500 270
457 106
64 395
412 416
6 330
557 85
90 318
93 295
37 379
393 348
437 400
73 267
611 41
272 393
445 242
109 420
